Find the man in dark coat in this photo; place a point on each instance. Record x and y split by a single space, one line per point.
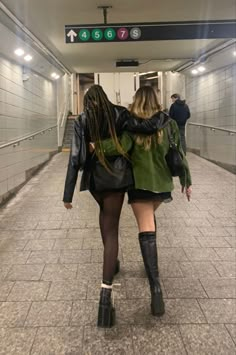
179 111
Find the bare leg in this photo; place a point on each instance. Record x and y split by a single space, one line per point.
143 212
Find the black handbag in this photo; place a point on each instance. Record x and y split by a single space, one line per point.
120 175
174 158
79 146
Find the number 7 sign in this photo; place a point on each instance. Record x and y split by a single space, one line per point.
122 33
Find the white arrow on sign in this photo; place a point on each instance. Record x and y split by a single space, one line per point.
72 34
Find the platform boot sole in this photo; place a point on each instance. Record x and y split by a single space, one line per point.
106 316
157 306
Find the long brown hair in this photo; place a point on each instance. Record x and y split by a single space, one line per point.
145 102
100 115
144 106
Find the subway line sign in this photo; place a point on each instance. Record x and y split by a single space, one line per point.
150 31
100 34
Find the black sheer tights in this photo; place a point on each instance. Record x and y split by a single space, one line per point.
110 204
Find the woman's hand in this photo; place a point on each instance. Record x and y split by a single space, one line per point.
68 205
187 191
91 147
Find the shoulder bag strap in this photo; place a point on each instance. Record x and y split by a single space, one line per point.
170 136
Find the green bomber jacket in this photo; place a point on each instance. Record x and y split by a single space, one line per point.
150 169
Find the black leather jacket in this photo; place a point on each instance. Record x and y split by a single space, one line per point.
123 121
148 126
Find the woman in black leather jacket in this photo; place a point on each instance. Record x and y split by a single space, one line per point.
100 120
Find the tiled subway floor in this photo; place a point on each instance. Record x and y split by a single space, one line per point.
50 272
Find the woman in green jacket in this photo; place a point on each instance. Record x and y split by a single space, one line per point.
152 178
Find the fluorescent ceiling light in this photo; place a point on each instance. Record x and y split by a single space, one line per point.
55 76
234 53
19 52
194 71
28 58
149 72
201 68
152 77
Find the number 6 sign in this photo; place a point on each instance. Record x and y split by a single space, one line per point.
122 33
109 34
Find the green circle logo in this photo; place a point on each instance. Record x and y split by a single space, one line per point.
110 34
84 35
97 34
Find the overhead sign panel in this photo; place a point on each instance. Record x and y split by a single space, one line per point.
150 31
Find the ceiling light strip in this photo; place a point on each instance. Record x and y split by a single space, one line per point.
152 77
149 72
33 38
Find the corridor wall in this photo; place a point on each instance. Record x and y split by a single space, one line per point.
28 103
212 101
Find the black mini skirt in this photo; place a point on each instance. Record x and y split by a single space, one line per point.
138 195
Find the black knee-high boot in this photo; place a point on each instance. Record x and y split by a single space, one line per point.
155 222
106 311
148 247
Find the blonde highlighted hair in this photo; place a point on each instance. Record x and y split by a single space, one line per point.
144 106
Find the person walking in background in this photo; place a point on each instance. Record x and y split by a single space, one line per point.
179 111
153 181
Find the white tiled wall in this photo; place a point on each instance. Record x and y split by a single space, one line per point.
212 101
25 107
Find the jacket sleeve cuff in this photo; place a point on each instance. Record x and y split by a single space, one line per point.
185 179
